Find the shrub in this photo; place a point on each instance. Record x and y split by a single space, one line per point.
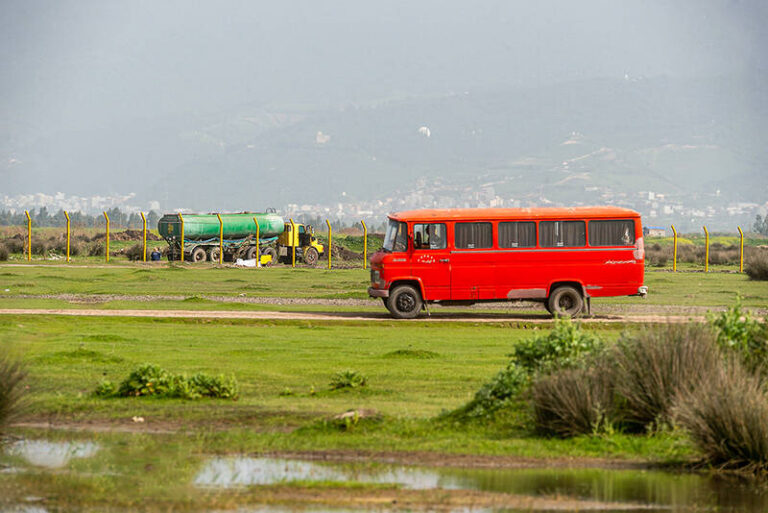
11 375
737 331
348 379
726 417
3 253
756 265
134 252
503 390
571 402
563 346
39 247
151 380
14 244
654 365
96 249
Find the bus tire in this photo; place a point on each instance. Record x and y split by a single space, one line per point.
565 301
198 254
311 256
404 302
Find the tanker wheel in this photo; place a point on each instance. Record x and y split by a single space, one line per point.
565 301
271 252
213 254
404 302
311 256
251 253
198 255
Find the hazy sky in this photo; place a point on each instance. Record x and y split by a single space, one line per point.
75 64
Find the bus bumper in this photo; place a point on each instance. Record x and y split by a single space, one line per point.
378 292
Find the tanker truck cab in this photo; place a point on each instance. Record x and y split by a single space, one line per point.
308 248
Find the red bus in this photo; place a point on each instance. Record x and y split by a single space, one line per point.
559 256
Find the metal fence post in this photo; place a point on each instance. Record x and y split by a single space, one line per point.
29 236
181 220
365 245
294 240
741 250
221 239
706 249
66 214
106 238
330 244
144 237
258 243
674 249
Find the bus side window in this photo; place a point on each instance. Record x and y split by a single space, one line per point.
559 234
429 236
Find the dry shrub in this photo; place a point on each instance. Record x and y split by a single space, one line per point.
39 247
724 256
14 244
726 417
96 249
11 375
653 366
3 253
756 264
134 252
572 402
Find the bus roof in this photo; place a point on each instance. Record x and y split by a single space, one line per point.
475 214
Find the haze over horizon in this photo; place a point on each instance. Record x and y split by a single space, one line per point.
237 104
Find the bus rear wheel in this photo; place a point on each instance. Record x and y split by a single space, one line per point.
404 302
565 301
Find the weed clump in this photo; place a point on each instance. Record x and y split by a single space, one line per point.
3 253
572 402
725 415
756 265
11 375
348 379
421 354
655 365
151 380
738 332
565 346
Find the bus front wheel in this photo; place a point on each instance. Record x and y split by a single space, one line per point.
565 301
404 302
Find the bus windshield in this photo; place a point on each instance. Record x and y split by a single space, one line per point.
396 237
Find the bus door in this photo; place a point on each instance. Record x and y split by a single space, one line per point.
431 260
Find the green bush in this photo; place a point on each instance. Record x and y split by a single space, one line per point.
739 332
96 249
572 402
348 379
14 244
566 345
3 253
653 366
726 417
563 346
151 380
11 375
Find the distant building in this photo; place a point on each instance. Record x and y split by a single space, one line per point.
654 231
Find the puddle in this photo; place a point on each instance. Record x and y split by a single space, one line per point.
43 453
657 489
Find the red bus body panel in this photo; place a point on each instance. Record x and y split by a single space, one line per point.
495 273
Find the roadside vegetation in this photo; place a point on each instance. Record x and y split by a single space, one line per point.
12 374
655 379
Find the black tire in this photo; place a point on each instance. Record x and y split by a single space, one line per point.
565 301
272 253
404 302
251 253
198 255
213 254
311 256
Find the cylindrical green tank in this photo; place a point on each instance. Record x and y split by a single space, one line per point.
206 226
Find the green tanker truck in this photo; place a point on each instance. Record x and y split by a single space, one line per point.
201 237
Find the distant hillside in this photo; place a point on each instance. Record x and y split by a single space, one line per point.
564 143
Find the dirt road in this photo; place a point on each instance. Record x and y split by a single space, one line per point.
483 317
